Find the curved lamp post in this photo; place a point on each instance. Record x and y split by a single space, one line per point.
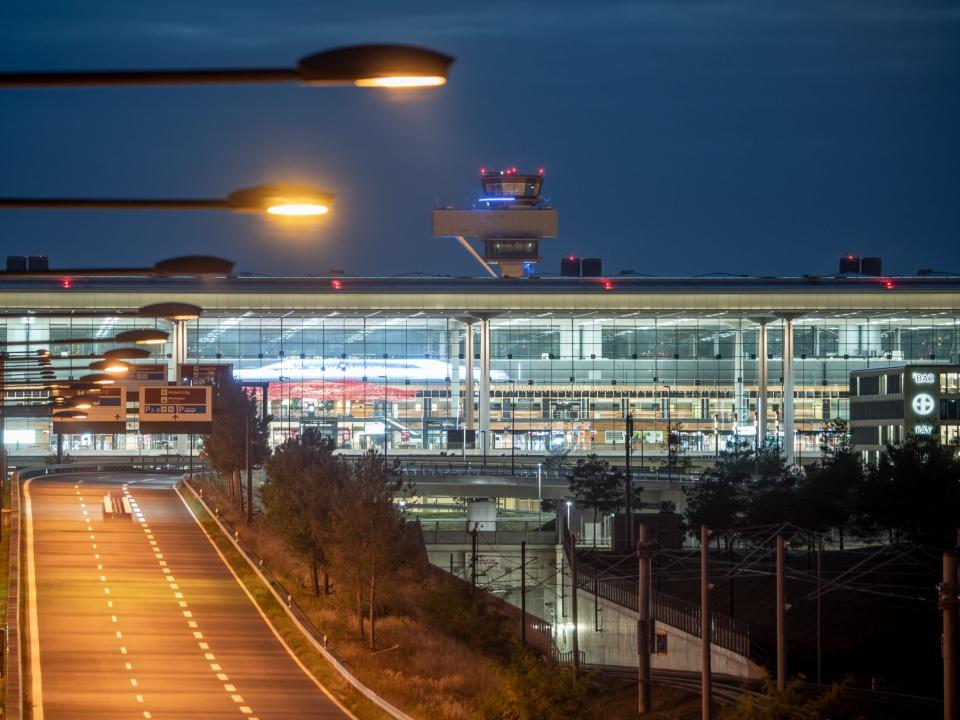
278 199
383 66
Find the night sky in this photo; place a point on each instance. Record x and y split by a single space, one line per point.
678 137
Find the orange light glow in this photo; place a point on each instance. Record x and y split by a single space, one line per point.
402 81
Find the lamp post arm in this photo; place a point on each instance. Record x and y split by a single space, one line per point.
112 204
93 78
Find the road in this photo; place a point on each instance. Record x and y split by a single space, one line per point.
139 617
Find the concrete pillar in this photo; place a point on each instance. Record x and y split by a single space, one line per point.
788 433
739 404
761 382
468 382
591 341
569 344
453 371
484 404
178 352
851 339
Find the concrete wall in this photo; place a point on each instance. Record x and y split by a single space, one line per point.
609 637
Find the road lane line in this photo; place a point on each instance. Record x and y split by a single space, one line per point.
36 684
343 708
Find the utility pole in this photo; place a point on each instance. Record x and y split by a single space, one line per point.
629 480
819 611
781 615
706 627
948 607
644 622
473 556
246 428
573 604
523 593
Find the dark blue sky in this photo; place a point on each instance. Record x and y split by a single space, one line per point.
678 137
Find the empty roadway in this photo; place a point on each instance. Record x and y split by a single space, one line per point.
139 617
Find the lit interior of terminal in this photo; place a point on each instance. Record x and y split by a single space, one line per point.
556 362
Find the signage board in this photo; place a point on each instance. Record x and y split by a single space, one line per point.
141 375
108 416
175 409
204 373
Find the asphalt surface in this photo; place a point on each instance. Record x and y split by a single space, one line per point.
138 617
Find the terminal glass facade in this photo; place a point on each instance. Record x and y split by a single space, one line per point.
556 380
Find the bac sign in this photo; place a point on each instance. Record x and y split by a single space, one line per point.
175 409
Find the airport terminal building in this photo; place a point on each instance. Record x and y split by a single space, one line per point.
535 363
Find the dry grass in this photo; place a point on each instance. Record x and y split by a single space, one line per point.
428 673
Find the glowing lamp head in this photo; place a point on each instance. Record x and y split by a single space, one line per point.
99 379
401 81
143 337
287 200
376 66
298 209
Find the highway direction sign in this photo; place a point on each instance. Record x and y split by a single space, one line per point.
175 409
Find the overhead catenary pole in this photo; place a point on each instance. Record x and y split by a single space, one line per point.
523 593
575 617
644 622
249 471
819 610
781 615
706 681
473 556
949 609
628 480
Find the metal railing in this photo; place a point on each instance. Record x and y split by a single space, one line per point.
455 467
503 532
725 631
13 653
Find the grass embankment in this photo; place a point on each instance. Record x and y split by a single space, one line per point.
442 654
306 653
4 568
426 673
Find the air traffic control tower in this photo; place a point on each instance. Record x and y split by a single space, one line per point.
510 218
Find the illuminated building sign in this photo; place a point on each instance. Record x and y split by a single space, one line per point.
924 378
923 430
923 404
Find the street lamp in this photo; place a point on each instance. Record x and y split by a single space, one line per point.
144 336
279 199
376 66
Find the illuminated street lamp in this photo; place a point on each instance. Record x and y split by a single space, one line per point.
173 311
70 415
98 379
369 66
113 367
144 336
280 199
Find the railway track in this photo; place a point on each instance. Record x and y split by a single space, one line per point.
727 689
